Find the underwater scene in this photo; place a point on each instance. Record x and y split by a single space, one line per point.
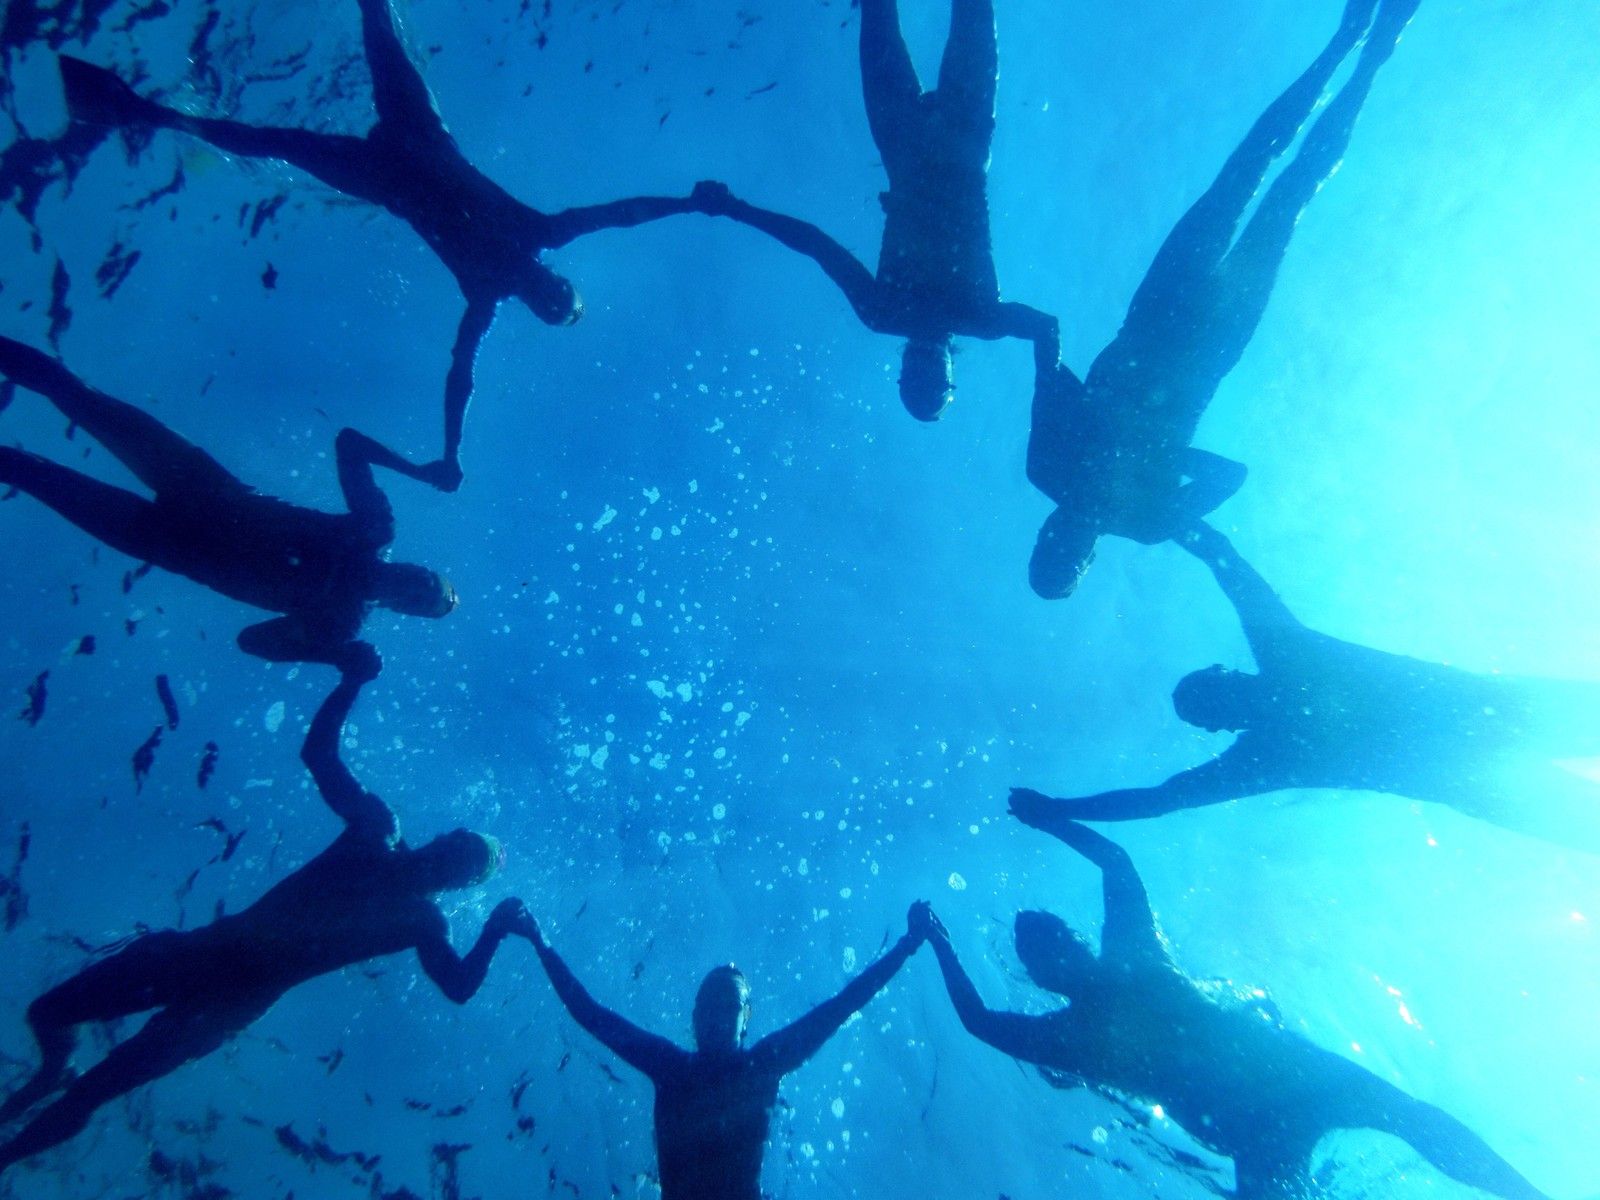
799 598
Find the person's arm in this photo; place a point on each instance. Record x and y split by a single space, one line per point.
562 227
358 808
640 1049
292 639
857 283
1268 624
1016 1034
460 976
1061 435
475 324
1008 319
792 1045
1235 773
355 455
1130 931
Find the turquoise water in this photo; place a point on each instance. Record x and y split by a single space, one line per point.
761 732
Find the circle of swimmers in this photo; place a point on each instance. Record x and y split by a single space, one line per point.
1111 450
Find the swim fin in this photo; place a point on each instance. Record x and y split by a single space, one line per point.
97 96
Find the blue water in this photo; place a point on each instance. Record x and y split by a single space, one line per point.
746 659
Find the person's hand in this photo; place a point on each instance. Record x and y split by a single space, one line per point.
507 917
360 661
1036 809
526 926
711 197
924 924
444 475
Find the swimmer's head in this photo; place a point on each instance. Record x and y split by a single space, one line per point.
550 297
458 859
1054 955
722 1010
414 590
927 377
1062 554
1216 698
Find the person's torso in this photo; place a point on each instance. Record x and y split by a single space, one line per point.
484 235
1371 719
936 262
268 552
711 1128
1112 465
1229 1074
343 907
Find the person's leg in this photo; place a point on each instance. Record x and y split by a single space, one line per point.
1270 1177
123 521
56 1039
338 160
1451 1147
1251 267
158 457
1200 240
968 75
888 81
97 96
170 1039
400 95
133 980
1535 798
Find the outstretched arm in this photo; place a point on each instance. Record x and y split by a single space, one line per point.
358 808
792 1045
1222 779
459 977
570 223
1016 1034
640 1049
1130 932
857 283
475 324
1268 624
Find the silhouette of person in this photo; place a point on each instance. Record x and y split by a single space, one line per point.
714 1103
410 165
1113 451
1229 1073
322 570
365 896
936 275
1326 713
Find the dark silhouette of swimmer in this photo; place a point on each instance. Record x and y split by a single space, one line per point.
410 165
936 275
1326 713
714 1103
322 570
1225 1070
1113 451
365 896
